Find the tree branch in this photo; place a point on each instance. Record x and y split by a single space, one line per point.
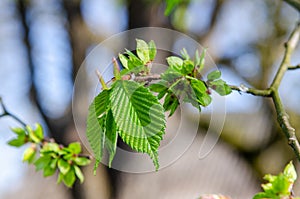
294 67
290 46
7 113
253 91
285 125
147 78
294 3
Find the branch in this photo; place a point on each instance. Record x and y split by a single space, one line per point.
294 67
285 125
294 3
252 91
147 78
7 113
290 46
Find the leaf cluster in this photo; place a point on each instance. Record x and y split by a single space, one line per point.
49 156
132 111
279 186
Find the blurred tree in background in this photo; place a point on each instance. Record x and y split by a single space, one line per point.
44 43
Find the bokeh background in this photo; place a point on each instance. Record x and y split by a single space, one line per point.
44 42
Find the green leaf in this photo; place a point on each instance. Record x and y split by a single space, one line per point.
75 147
18 131
184 54
142 50
42 162
188 67
290 172
220 87
111 136
263 195
32 135
39 131
60 178
69 178
95 122
123 60
29 154
50 147
171 75
170 5
48 171
63 166
175 63
82 161
159 87
216 74
139 117
152 50
202 60
79 174
18 142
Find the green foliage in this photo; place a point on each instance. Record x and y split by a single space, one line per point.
279 186
130 110
218 84
139 63
52 157
172 4
108 117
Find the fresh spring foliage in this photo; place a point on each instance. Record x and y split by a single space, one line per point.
49 156
132 110
279 186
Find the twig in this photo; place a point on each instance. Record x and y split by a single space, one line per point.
294 3
294 67
290 45
7 113
147 78
252 91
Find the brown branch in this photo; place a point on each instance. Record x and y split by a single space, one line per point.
147 78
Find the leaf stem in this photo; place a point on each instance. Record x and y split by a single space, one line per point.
294 67
7 113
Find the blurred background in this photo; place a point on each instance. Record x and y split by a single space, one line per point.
44 42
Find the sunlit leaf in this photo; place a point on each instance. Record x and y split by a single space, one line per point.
139 117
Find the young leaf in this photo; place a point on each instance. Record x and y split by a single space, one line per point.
143 128
79 174
18 142
123 60
202 60
220 87
63 166
32 135
69 178
42 162
175 63
39 131
75 147
111 136
216 74
290 172
29 154
82 161
95 122
152 50
18 131
48 171
184 54
142 50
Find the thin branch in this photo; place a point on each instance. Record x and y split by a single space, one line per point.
282 116
294 67
147 78
252 91
294 3
7 113
290 45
